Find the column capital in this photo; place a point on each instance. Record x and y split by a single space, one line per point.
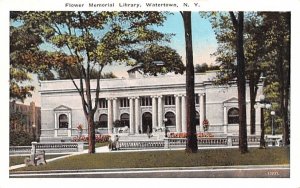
201 94
153 96
109 98
160 96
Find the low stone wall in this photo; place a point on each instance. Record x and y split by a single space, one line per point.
19 150
50 147
181 142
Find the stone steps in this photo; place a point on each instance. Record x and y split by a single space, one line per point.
139 137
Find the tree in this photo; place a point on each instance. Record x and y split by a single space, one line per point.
21 42
238 24
191 145
88 41
169 60
278 26
201 68
253 49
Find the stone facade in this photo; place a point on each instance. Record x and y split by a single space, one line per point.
141 102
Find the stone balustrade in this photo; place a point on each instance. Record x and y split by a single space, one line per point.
48 147
181 142
141 144
19 150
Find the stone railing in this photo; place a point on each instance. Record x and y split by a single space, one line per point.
181 142
252 140
140 144
56 147
19 150
209 141
48 147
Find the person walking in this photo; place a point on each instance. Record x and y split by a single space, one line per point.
148 131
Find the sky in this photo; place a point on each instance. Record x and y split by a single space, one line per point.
204 40
204 44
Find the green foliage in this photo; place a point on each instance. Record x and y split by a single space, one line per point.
170 60
171 158
19 137
117 123
204 67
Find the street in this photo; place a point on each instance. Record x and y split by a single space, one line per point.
180 172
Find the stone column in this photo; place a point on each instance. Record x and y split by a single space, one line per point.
115 109
137 115
69 124
55 125
109 116
202 110
131 115
160 112
154 112
183 114
225 119
178 114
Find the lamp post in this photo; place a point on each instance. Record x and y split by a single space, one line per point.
262 104
273 115
34 133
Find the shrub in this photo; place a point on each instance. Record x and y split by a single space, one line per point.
184 135
99 138
18 137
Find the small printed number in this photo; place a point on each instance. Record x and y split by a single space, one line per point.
273 173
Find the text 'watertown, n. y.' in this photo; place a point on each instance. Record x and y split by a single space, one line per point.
130 5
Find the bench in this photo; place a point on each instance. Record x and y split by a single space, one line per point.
35 159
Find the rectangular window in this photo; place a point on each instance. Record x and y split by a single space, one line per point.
102 103
169 100
196 99
146 101
124 102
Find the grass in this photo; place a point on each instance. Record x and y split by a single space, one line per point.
178 158
16 160
96 145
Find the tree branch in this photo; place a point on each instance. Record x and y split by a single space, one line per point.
234 20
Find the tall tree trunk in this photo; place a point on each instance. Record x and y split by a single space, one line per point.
252 103
241 85
286 131
239 26
191 145
91 130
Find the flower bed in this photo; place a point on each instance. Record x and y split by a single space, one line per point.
184 135
99 138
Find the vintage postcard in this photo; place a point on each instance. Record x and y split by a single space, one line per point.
198 92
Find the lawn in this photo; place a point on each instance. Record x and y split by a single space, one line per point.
16 160
178 158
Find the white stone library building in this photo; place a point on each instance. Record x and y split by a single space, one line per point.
139 102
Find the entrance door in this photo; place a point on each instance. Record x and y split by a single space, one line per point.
147 121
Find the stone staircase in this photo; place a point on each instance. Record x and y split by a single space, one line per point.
141 137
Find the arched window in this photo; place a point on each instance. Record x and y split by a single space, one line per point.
171 121
103 120
125 120
63 121
233 116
